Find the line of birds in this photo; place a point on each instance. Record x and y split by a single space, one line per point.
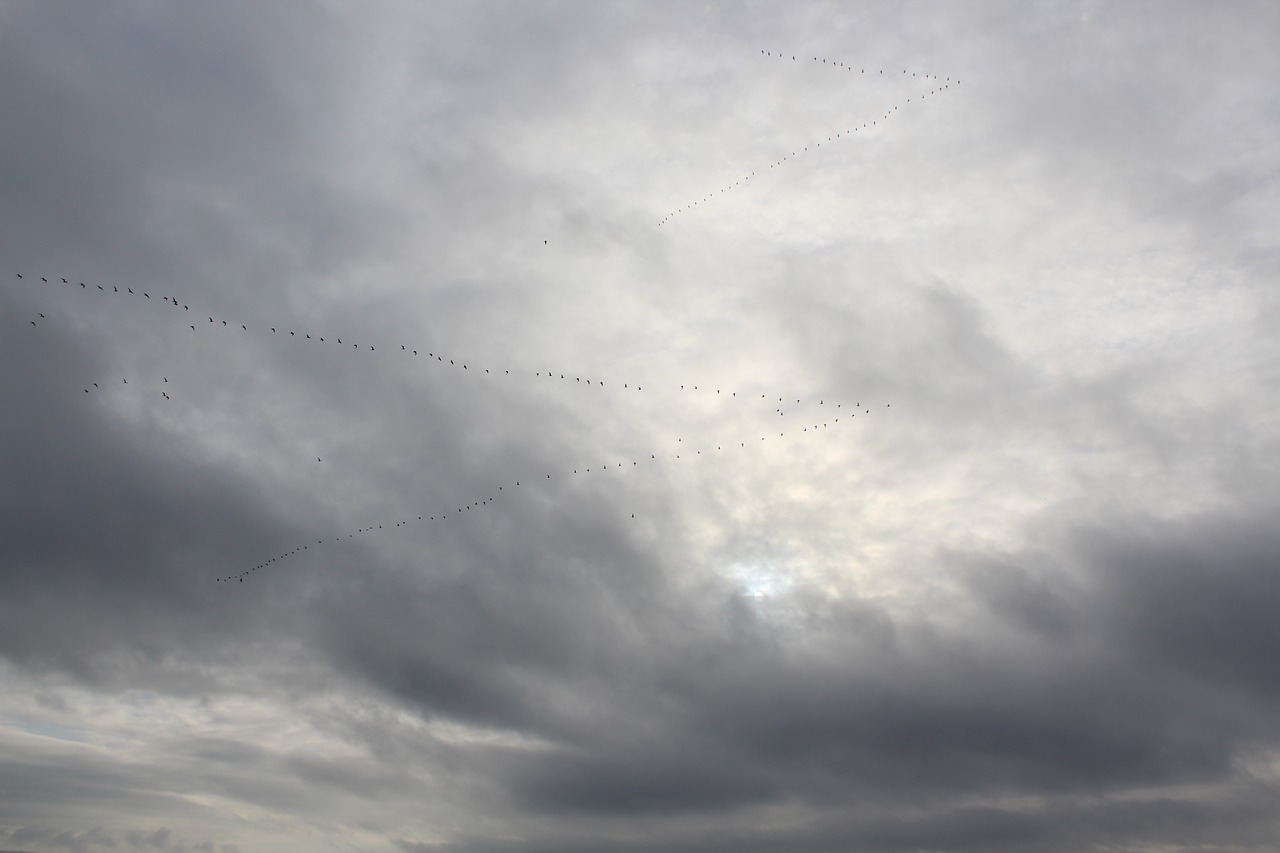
941 83
435 358
114 289
97 387
654 458
850 68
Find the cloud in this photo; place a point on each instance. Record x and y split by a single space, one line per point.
942 520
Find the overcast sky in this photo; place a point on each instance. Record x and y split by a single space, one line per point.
912 483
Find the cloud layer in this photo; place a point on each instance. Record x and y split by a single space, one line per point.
912 487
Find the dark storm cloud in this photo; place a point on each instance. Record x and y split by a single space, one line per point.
1056 711
1067 693
1196 601
117 526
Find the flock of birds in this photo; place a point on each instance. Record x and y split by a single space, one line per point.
182 311
334 340
939 84
281 332
456 511
836 410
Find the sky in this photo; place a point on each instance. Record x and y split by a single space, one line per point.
756 427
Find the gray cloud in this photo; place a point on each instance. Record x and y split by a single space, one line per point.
942 521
